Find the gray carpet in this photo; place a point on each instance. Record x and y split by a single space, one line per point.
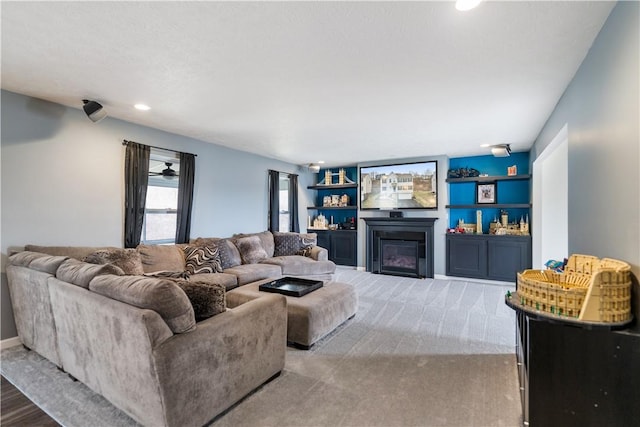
418 353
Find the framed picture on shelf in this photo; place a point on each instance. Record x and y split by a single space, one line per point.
486 193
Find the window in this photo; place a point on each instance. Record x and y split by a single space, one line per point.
161 208
283 191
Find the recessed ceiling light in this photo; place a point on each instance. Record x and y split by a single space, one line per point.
142 107
321 161
485 145
464 5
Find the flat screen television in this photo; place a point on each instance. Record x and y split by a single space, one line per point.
399 186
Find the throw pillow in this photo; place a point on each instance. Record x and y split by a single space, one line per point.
251 250
286 243
202 259
207 299
229 255
127 259
306 251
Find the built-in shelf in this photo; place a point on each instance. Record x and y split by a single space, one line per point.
330 208
331 186
492 206
522 177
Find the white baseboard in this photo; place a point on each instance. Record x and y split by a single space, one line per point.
10 342
471 279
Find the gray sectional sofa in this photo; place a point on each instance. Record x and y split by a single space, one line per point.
136 338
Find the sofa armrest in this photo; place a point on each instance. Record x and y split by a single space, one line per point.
224 359
319 253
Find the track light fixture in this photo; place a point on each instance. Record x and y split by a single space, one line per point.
501 150
94 110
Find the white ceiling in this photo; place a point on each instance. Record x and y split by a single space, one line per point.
344 82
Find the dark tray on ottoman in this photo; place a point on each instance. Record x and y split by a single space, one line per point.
291 286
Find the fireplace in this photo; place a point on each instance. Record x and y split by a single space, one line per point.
400 246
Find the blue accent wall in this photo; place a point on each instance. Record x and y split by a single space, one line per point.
506 191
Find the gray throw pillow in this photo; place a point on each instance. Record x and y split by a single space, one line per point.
251 250
127 259
202 259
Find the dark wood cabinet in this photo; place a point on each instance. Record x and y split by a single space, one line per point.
572 375
486 256
341 244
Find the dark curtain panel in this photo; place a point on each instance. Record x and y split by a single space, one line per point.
185 196
136 176
294 224
274 204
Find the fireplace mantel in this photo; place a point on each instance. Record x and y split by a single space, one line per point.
377 227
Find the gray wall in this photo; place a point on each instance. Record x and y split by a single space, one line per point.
440 226
62 182
600 106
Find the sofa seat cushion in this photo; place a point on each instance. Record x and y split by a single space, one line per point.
248 273
81 273
127 259
162 257
297 265
160 295
229 281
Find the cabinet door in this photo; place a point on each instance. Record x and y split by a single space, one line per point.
324 240
507 257
466 257
343 248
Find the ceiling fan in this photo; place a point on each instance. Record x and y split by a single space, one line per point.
167 173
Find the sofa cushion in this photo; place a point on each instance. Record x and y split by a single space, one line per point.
81 273
297 265
77 252
251 249
202 259
160 295
229 281
229 255
248 273
127 259
37 261
161 257
207 299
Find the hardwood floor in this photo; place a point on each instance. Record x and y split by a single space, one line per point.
17 410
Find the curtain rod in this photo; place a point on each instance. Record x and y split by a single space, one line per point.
125 142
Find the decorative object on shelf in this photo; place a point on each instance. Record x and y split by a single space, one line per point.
462 173
326 201
512 170
335 200
343 179
320 223
479 222
504 218
344 200
504 228
486 193
589 290
465 228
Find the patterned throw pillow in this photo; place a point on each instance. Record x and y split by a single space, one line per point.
207 299
286 243
128 260
202 259
306 251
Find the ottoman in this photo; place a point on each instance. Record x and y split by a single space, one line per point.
309 317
